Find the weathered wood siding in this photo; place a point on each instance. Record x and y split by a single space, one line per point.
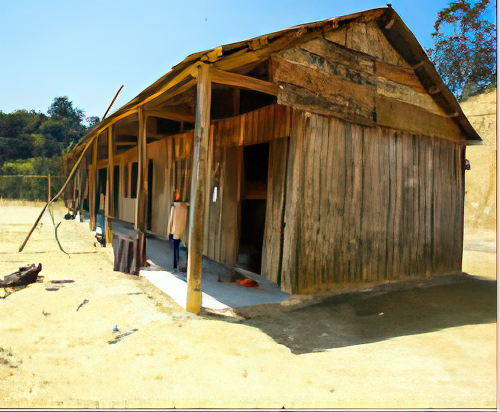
346 203
171 160
270 123
275 209
368 204
171 171
354 73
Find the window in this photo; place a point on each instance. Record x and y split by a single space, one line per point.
125 181
133 180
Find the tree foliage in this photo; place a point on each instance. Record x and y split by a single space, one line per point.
31 143
29 134
464 50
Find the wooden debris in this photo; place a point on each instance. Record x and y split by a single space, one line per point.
24 276
119 337
81 304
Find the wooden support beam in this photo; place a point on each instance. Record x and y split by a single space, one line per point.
171 94
390 24
434 90
245 82
92 184
142 192
172 115
109 206
198 189
419 64
126 143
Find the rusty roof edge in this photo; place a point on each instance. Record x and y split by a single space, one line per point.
406 44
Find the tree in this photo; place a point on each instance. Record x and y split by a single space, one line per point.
464 50
92 121
62 108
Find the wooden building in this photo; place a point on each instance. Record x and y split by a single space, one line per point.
327 153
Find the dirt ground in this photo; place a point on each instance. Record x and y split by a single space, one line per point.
421 344
481 179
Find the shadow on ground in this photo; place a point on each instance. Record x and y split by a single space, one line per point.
364 317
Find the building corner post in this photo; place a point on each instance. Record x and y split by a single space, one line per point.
142 193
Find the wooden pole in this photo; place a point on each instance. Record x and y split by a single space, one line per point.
198 189
142 191
109 186
92 184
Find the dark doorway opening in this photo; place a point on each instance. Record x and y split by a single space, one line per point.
253 206
150 194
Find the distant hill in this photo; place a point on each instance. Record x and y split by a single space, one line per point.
481 180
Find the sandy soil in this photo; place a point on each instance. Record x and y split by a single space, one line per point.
427 344
481 180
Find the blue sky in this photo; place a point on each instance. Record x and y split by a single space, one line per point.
87 49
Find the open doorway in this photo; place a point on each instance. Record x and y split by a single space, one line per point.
253 206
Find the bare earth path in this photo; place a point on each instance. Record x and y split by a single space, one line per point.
431 346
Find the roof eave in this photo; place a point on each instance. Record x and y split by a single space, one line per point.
406 44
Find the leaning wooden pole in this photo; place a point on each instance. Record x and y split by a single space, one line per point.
198 190
84 152
73 170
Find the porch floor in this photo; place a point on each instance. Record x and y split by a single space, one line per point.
217 290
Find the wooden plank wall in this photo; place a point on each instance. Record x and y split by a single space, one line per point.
270 123
171 158
368 204
354 73
275 208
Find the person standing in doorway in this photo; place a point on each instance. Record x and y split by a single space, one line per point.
177 225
